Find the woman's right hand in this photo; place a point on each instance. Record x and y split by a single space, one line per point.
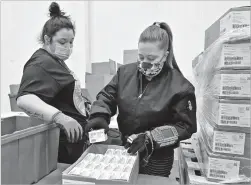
71 127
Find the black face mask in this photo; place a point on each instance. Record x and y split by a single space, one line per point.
146 65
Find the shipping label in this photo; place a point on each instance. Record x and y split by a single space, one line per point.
234 20
223 169
236 55
229 142
234 115
235 85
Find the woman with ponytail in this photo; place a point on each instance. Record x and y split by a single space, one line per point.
156 103
50 91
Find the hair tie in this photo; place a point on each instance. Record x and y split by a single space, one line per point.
157 24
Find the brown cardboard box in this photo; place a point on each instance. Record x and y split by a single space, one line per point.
119 65
130 56
98 149
234 18
104 68
14 88
13 103
95 83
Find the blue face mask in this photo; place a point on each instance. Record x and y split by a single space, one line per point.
62 52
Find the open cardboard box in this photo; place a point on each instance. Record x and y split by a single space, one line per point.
98 149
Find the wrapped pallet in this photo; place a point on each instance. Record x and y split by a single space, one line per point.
222 75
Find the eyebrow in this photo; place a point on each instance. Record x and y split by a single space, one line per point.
64 39
149 55
152 55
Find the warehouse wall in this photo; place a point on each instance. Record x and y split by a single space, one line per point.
114 27
21 24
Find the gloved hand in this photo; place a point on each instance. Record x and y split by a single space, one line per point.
71 127
97 123
139 144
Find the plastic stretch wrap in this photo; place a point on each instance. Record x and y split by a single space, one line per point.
226 143
210 61
222 88
215 82
219 167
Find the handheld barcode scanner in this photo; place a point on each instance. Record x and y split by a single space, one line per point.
162 136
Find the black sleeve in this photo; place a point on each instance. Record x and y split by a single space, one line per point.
184 116
106 101
37 81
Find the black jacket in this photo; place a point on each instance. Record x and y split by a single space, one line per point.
168 99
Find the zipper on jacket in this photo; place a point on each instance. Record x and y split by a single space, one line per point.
141 87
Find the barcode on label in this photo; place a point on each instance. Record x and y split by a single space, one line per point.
222 149
233 58
218 171
228 122
229 92
230 118
217 176
229 88
232 63
224 145
240 25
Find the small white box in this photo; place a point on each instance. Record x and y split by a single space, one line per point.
96 136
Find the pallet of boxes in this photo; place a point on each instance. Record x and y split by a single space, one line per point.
222 73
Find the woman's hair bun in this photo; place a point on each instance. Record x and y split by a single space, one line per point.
55 10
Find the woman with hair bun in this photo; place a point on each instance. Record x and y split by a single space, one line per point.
50 91
156 103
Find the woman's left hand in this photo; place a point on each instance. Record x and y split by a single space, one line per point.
138 144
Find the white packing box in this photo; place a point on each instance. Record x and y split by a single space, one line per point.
226 143
227 115
236 56
68 178
219 167
231 84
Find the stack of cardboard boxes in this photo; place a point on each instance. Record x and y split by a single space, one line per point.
222 73
130 56
102 74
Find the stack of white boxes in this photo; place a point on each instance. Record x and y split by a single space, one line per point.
222 73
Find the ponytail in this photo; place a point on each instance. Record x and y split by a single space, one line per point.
170 59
